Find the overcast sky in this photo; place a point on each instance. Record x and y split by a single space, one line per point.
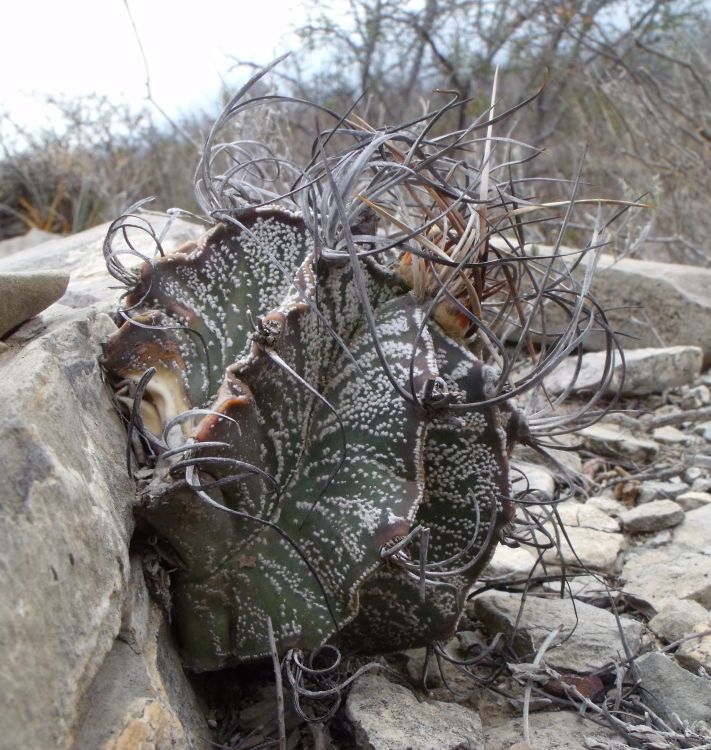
78 47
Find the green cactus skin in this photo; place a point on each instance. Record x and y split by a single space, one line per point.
404 463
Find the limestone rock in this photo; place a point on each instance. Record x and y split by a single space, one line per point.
509 561
692 473
660 539
587 516
696 652
593 642
606 504
608 439
140 696
701 484
552 730
26 294
457 686
676 619
80 256
694 531
585 587
24 242
704 429
650 370
385 716
695 397
654 516
669 689
555 457
532 477
665 304
670 436
586 547
590 539
64 529
692 500
656 490
654 578
64 533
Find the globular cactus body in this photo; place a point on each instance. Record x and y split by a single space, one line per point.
270 398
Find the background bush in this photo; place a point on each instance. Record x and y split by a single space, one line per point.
628 81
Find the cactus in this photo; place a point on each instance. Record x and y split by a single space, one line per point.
320 398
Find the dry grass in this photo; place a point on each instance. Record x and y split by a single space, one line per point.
97 159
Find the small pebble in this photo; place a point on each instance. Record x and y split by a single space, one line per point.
704 429
696 652
607 439
678 618
696 397
670 435
692 500
702 484
654 516
667 410
691 474
655 490
606 504
660 539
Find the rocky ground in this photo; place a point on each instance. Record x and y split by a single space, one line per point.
590 629
594 630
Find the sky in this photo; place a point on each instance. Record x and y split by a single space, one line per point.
80 47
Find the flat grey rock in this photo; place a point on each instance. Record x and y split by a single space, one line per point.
24 242
665 304
532 477
677 619
550 730
704 430
646 371
692 473
607 505
659 539
670 435
694 531
87 660
386 716
585 587
608 439
25 294
80 255
702 483
695 397
695 652
654 578
669 689
65 524
692 500
656 490
509 561
654 516
590 539
140 697
588 548
594 636
586 515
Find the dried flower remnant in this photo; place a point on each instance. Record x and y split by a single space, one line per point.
319 389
